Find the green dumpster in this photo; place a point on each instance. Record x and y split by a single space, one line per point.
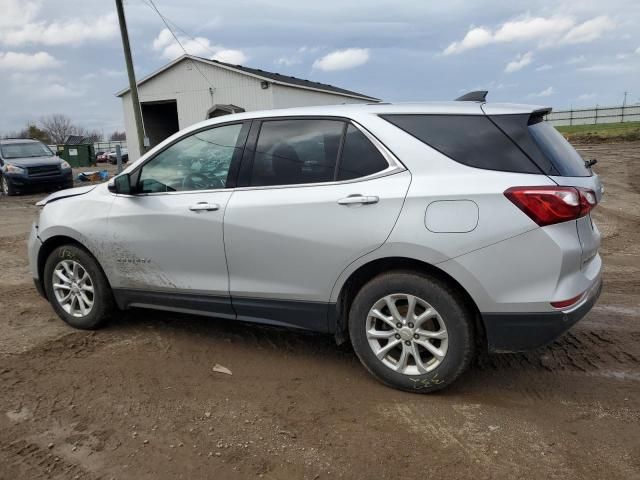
81 155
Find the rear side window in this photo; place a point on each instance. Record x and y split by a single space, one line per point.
290 152
556 148
472 140
359 156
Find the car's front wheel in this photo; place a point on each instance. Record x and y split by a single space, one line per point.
77 288
411 331
5 187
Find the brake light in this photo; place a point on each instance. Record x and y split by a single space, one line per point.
551 205
567 303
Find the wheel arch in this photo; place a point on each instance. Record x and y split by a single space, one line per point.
360 276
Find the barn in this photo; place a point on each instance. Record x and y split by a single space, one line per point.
191 89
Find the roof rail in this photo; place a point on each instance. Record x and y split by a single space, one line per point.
475 96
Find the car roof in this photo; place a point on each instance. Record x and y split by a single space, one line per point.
8 141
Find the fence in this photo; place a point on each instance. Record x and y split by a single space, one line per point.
109 145
591 116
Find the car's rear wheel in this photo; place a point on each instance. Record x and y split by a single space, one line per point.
411 331
77 288
5 187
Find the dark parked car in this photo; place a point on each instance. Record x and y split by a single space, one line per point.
27 164
113 159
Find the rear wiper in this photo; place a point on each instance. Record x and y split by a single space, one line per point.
590 163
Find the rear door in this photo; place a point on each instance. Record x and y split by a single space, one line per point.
317 195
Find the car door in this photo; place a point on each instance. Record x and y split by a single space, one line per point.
314 195
166 238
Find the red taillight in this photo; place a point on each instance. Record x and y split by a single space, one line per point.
567 303
549 205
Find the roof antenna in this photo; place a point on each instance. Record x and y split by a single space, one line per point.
476 96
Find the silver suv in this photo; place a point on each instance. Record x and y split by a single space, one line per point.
420 232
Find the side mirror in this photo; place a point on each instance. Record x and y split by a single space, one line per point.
120 184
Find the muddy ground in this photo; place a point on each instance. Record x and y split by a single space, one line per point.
139 399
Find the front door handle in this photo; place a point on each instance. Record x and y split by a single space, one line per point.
358 200
204 207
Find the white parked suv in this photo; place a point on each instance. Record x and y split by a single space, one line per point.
420 232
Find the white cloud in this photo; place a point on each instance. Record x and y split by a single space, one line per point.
552 30
342 59
70 31
609 68
17 61
170 49
586 96
544 67
16 12
519 63
638 50
589 30
544 93
577 59
37 86
287 61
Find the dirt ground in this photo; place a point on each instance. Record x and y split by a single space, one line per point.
139 399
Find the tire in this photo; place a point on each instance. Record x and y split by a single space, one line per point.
64 258
452 323
6 188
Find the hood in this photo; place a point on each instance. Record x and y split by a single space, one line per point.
69 192
33 161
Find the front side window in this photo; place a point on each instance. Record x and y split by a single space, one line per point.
290 152
200 161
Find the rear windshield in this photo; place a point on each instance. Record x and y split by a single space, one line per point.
555 147
472 140
25 150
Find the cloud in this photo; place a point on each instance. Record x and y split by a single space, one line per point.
70 31
287 61
586 96
544 67
170 49
342 59
609 68
544 93
519 63
556 29
577 59
589 30
17 61
38 86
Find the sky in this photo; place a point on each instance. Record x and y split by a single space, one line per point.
63 56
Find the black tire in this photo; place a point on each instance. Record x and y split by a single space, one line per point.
457 318
6 188
103 303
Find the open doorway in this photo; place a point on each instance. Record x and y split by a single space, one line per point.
160 120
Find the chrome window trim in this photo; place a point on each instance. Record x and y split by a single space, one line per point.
394 166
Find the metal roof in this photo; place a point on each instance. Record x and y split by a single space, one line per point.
272 77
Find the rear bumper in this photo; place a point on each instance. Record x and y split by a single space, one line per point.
521 332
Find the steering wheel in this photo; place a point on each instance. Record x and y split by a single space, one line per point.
199 181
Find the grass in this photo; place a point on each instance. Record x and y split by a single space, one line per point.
603 132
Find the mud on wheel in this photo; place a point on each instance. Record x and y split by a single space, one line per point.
77 288
411 331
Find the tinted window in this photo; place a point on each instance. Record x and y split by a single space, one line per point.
567 161
290 152
200 161
359 156
469 139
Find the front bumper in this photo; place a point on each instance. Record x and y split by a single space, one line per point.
23 181
521 332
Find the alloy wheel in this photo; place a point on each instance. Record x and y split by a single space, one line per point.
73 288
407 334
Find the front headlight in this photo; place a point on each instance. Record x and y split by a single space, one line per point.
65 165
10 168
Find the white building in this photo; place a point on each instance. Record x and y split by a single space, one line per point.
191 89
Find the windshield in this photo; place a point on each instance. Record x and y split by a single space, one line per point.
25 150
564 157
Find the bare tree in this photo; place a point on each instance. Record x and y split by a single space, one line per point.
58 127
91 136
118 136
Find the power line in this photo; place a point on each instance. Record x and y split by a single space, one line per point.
166 22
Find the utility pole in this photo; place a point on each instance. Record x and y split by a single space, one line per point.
133 87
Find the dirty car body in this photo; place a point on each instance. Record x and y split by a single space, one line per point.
476 214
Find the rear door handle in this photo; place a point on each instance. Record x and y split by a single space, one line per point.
358 200
204 207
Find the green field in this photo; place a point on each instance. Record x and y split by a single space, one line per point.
602 132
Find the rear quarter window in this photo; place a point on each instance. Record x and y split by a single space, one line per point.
472 140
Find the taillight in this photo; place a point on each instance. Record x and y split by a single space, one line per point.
567 303
550 205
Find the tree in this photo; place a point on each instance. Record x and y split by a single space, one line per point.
118 136
91 136
58 127
30 131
